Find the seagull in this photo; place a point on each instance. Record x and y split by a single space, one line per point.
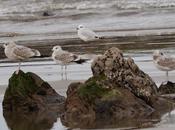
164 62
65 58
86 34
19 53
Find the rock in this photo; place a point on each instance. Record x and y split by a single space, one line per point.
124 73
27 93
47 13
118 92
95 105
168 88
77 110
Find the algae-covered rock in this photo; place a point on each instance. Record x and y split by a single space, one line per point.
124 73
96 101
28 93
118 93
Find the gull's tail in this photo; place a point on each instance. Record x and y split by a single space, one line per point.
36 52
99 37
80 61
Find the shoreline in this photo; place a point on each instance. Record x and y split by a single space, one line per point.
122 42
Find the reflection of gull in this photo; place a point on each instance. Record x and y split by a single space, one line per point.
86 34
163 62
19 53
64 58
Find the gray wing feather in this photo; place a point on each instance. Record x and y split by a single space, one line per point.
66 57
88 33
167 62
23 52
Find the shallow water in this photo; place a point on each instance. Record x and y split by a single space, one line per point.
50 72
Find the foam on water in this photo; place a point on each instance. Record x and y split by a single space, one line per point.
21 6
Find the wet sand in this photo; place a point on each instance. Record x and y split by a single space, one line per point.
113 38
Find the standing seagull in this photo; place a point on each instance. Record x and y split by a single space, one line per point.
19 53
86 34
163 62
64 58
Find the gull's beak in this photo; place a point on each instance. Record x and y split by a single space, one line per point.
4 45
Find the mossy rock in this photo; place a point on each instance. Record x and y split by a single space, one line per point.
95 88
28 92
21 85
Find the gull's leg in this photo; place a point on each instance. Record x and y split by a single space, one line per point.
170 105
66 71
167 76
61 72
19 65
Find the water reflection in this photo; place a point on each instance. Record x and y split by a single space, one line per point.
32 121
104 123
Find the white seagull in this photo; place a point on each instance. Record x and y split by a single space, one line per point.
65 58
164 62
19 53
86 34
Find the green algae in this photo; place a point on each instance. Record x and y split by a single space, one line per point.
21 85
92 89
112 95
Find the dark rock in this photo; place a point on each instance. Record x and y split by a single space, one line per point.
47 13
97 106
79 110
161 105
124 73
118 92
27 93
30 103
168 88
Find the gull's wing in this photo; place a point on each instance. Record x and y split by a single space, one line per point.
23 52
167 62
88 33
66 57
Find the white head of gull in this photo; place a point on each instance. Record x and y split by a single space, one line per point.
86 34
